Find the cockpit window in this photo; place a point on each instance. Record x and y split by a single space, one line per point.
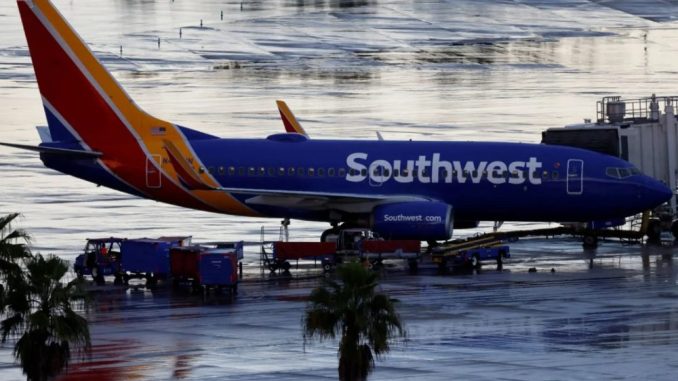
621 173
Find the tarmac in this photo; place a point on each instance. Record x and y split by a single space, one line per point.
611 313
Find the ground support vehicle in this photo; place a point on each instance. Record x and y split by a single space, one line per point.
470 255
376 250
101 258
284 252
349 244
205 268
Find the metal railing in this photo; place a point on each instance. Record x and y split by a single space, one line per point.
615 109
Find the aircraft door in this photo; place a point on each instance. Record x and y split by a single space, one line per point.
153 174
575 177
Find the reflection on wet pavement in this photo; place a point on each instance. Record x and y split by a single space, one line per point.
436 70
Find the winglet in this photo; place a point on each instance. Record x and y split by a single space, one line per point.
184 170
289 120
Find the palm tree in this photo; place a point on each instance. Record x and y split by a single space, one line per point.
12 251
366 320
39 313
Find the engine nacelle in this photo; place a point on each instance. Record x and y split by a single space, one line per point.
417 220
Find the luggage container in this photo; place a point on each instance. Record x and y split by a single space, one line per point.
148 258
205 268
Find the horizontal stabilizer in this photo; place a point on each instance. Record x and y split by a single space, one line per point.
75 153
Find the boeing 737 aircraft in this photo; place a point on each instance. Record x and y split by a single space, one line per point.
402 189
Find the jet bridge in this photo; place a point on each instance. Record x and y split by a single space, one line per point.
641 131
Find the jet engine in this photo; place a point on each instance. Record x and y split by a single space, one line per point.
417 220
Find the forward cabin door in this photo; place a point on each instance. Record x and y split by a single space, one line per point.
575 177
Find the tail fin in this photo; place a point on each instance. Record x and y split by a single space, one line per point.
86 105
289 120
82 100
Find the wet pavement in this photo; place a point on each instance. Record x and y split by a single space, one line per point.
435 70
609 314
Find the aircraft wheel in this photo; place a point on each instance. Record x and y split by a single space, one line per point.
590 241
654 230
674 229
413 265
327 267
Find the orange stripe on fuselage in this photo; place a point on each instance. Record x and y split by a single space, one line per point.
117 143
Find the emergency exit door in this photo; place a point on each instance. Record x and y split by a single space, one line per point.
575 176
153 175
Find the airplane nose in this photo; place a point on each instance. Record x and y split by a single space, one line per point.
656 192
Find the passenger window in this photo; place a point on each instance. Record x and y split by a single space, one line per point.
222 171
281 171
231 171
386 172
352 172
262 171
363 172
241 171
311 172
321 171
301 171
291 171
395 173
341 172
545 175
271 171
331 172
555 175
251 171
404 173
624 173
201 170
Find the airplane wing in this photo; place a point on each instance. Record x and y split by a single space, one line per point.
75 153
345 202
289 120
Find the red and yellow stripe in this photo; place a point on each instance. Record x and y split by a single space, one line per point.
76 84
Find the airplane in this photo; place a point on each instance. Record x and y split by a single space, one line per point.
420 190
